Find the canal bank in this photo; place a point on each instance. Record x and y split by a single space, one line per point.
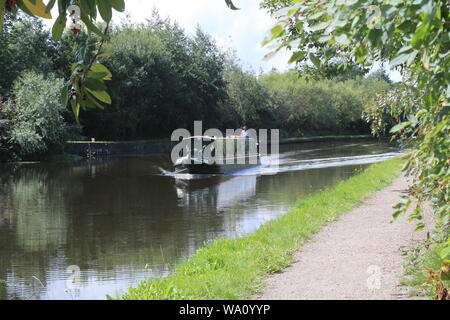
236 269
88 149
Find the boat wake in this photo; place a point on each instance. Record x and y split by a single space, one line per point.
298 165
289 164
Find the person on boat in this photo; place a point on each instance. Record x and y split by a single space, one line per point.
244 132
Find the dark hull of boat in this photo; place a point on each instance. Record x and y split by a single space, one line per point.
211 169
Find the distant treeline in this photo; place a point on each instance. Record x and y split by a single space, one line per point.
163 79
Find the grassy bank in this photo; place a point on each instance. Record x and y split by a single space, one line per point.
235 269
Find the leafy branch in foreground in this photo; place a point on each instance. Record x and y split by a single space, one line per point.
86 87
411 35
408 34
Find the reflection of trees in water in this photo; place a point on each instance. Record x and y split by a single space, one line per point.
116 217
107 216
2 198
125 216
207 203
36 224
2 230
35 208
289 187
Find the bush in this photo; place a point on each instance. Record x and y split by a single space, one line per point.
322 107
250 102
35 113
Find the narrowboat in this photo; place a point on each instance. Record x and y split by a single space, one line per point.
217 155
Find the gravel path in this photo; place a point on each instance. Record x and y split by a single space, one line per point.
356 257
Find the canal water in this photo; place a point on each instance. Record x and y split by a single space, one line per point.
87 229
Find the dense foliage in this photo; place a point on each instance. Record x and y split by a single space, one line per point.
389 108
322 107
165 79
19 34
37 124
412 35
86 86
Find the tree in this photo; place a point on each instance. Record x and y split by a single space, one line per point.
36 124
324 106
86 87
21 34
411 35
163 80
251 101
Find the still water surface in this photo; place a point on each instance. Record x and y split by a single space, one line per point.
123 220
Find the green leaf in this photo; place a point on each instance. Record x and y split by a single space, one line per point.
118 5
94 101
420 35
103 96
65 95
276 31
99 75
405 57
58 27
91 26
231 5
94 84
270 55
105 9
445 253
75 109
315 60
50 6
324 38
400 127
100 68
297 56
320 26
317 15
107 53
342 39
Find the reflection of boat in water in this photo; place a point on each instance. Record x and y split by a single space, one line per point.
223 191
212 155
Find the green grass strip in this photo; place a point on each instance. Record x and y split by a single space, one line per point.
236 269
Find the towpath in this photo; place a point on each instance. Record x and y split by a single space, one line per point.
355 258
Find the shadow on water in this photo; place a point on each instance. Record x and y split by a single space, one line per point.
126 219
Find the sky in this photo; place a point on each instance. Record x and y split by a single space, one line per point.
243 30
